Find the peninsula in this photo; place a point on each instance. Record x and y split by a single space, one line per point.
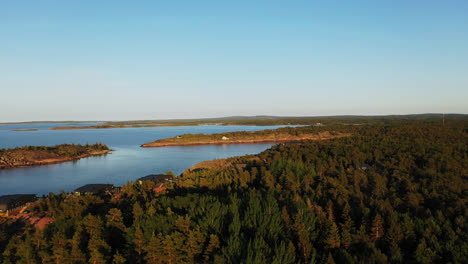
286 134
41 155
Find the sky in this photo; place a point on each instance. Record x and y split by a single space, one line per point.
138 60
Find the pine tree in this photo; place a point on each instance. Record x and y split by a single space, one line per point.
269 180
330 259
423 253
333 238
286 218
195 244
38 240
283 255
137 211
303 235
183 224
93 225
346 238
213 245
59 248
393 236
330 215
169 250
346 227
115 219
154 250
139 242
118 259
76 253
377 228
99 251
25 252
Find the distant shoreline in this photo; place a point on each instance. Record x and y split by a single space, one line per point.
106 127
246 121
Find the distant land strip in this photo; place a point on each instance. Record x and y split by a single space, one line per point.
433 118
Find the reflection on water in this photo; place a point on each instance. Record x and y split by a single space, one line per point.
127 163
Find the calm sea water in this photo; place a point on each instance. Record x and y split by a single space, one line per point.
127 163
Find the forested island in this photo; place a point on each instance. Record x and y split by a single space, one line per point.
394 193
42 155
286 134
24 130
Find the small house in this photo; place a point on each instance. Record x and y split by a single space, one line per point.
364 166
156 178
159 189
225 138
10 203
95 189
159 179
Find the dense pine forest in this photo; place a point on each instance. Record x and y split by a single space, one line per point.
394 192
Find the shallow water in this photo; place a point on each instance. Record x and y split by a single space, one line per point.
127 163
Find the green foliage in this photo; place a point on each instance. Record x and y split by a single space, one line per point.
294 203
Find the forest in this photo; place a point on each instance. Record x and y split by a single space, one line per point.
395 192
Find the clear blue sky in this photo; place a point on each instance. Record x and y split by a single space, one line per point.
121 60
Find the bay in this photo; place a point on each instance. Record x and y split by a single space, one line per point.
127 162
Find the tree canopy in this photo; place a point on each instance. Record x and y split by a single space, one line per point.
389 193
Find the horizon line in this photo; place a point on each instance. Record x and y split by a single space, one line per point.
234 116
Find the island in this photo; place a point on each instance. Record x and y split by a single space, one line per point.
285 134
42 155
27 129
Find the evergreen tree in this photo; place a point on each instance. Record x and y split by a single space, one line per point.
118 259
154 250
377 228
333 238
